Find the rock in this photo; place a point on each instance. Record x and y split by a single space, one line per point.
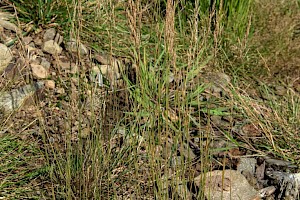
65 65
60 91
267 191
27 40
219 145
251 130
69 67
10 26
5 57
102 59
227 184
247 164
51 139
38 71
279 163
58 38
219 79
49 34
289 184
72 47
219 122
252 180
45 63
50 84
52 47
12 100
217 83
38 41
107 71
266 96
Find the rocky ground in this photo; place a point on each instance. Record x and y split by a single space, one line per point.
58 83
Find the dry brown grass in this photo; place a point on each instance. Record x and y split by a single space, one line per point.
275 38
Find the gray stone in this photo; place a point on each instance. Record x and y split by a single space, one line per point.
45 63
10 26
247 164
5 57
27 40
72 47
110 73
58 38
38 41
227 184
12 100
52 47
49 34
217 83
289 184
220 79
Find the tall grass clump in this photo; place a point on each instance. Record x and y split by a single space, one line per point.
42 12
169 50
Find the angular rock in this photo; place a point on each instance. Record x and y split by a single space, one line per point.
247 164
227 184
38 71
108 71
27 40
60 91
58 38
218 79
5 57
45 63
289 184
52 47
72 47
265 192
50 84
69 67
9 26
218 82
49 34
12 100
38 41
103 59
